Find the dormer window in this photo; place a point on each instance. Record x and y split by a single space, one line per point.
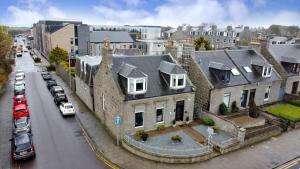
267 71
177 81
137 85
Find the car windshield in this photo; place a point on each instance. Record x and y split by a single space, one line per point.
24 146
20 110
19 84
21 125
21 139
69 106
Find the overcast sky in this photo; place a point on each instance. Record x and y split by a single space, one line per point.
153 12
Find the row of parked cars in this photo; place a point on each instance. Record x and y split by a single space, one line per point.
59 96
21 142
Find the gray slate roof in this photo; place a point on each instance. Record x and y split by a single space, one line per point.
112 36
246 57
129 52
204 58
170 68
219 66
156 85
285 50
128 70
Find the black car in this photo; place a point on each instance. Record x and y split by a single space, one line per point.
59 98
56 89
46 75
51 83
19 92
22 147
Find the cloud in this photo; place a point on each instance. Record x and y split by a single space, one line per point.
20 17
133 2
54 12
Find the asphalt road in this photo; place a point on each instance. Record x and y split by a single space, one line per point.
293 164
58 140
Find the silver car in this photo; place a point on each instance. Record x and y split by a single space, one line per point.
22 125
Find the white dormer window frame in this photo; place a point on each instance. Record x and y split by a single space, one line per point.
132 85
267 71
175 81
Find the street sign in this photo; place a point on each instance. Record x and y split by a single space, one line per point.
118 120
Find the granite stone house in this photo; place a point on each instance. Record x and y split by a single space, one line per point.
144 91
86 66
286 61
225 76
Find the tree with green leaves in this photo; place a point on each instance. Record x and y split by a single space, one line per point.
58 55
5 47
199 41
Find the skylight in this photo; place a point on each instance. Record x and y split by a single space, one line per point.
235 72
247 69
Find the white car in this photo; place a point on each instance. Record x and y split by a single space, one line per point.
67 109
19 71
19 86
19 54
20 76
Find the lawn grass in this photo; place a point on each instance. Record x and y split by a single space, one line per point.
286 111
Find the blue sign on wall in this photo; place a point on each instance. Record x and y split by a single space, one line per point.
118 120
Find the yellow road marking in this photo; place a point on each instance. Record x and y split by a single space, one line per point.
290 164
98 155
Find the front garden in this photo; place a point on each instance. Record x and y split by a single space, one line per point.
286 111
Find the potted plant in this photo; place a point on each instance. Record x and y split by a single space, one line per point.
141 135
176 138
187 120
174 123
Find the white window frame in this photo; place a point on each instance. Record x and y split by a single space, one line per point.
267 71
163 114
227 95
267 90
134 81
176 77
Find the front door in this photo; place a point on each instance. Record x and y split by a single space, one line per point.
295 87
252 95
244 98
179 110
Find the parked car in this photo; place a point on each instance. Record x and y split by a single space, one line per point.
19 54
19 85
59 98
51 83
20 99
56 89
67 109
20 76
20 110
22 146
20 71
19 92
22 125
46 75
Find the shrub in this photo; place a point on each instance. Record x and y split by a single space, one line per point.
223 110
176 138
160 127
142 135
51 68
253 110
208 121
295 102
234 107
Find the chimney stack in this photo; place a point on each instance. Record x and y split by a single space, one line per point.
106 53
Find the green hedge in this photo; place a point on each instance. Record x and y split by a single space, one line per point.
208 121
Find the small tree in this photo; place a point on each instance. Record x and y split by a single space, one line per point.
201 40
58 54
253 110
223 110
234 107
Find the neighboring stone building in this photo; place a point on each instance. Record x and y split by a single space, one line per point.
286 60
86 66
225 76
152 47
118 40
51 33
145 91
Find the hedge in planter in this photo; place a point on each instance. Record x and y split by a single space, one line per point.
208 121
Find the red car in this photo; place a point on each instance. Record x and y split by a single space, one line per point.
20 99
20 110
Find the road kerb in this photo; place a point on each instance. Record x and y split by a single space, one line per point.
100 156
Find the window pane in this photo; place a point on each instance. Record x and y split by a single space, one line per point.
139 86
226 99
138 119
159 115
180 82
